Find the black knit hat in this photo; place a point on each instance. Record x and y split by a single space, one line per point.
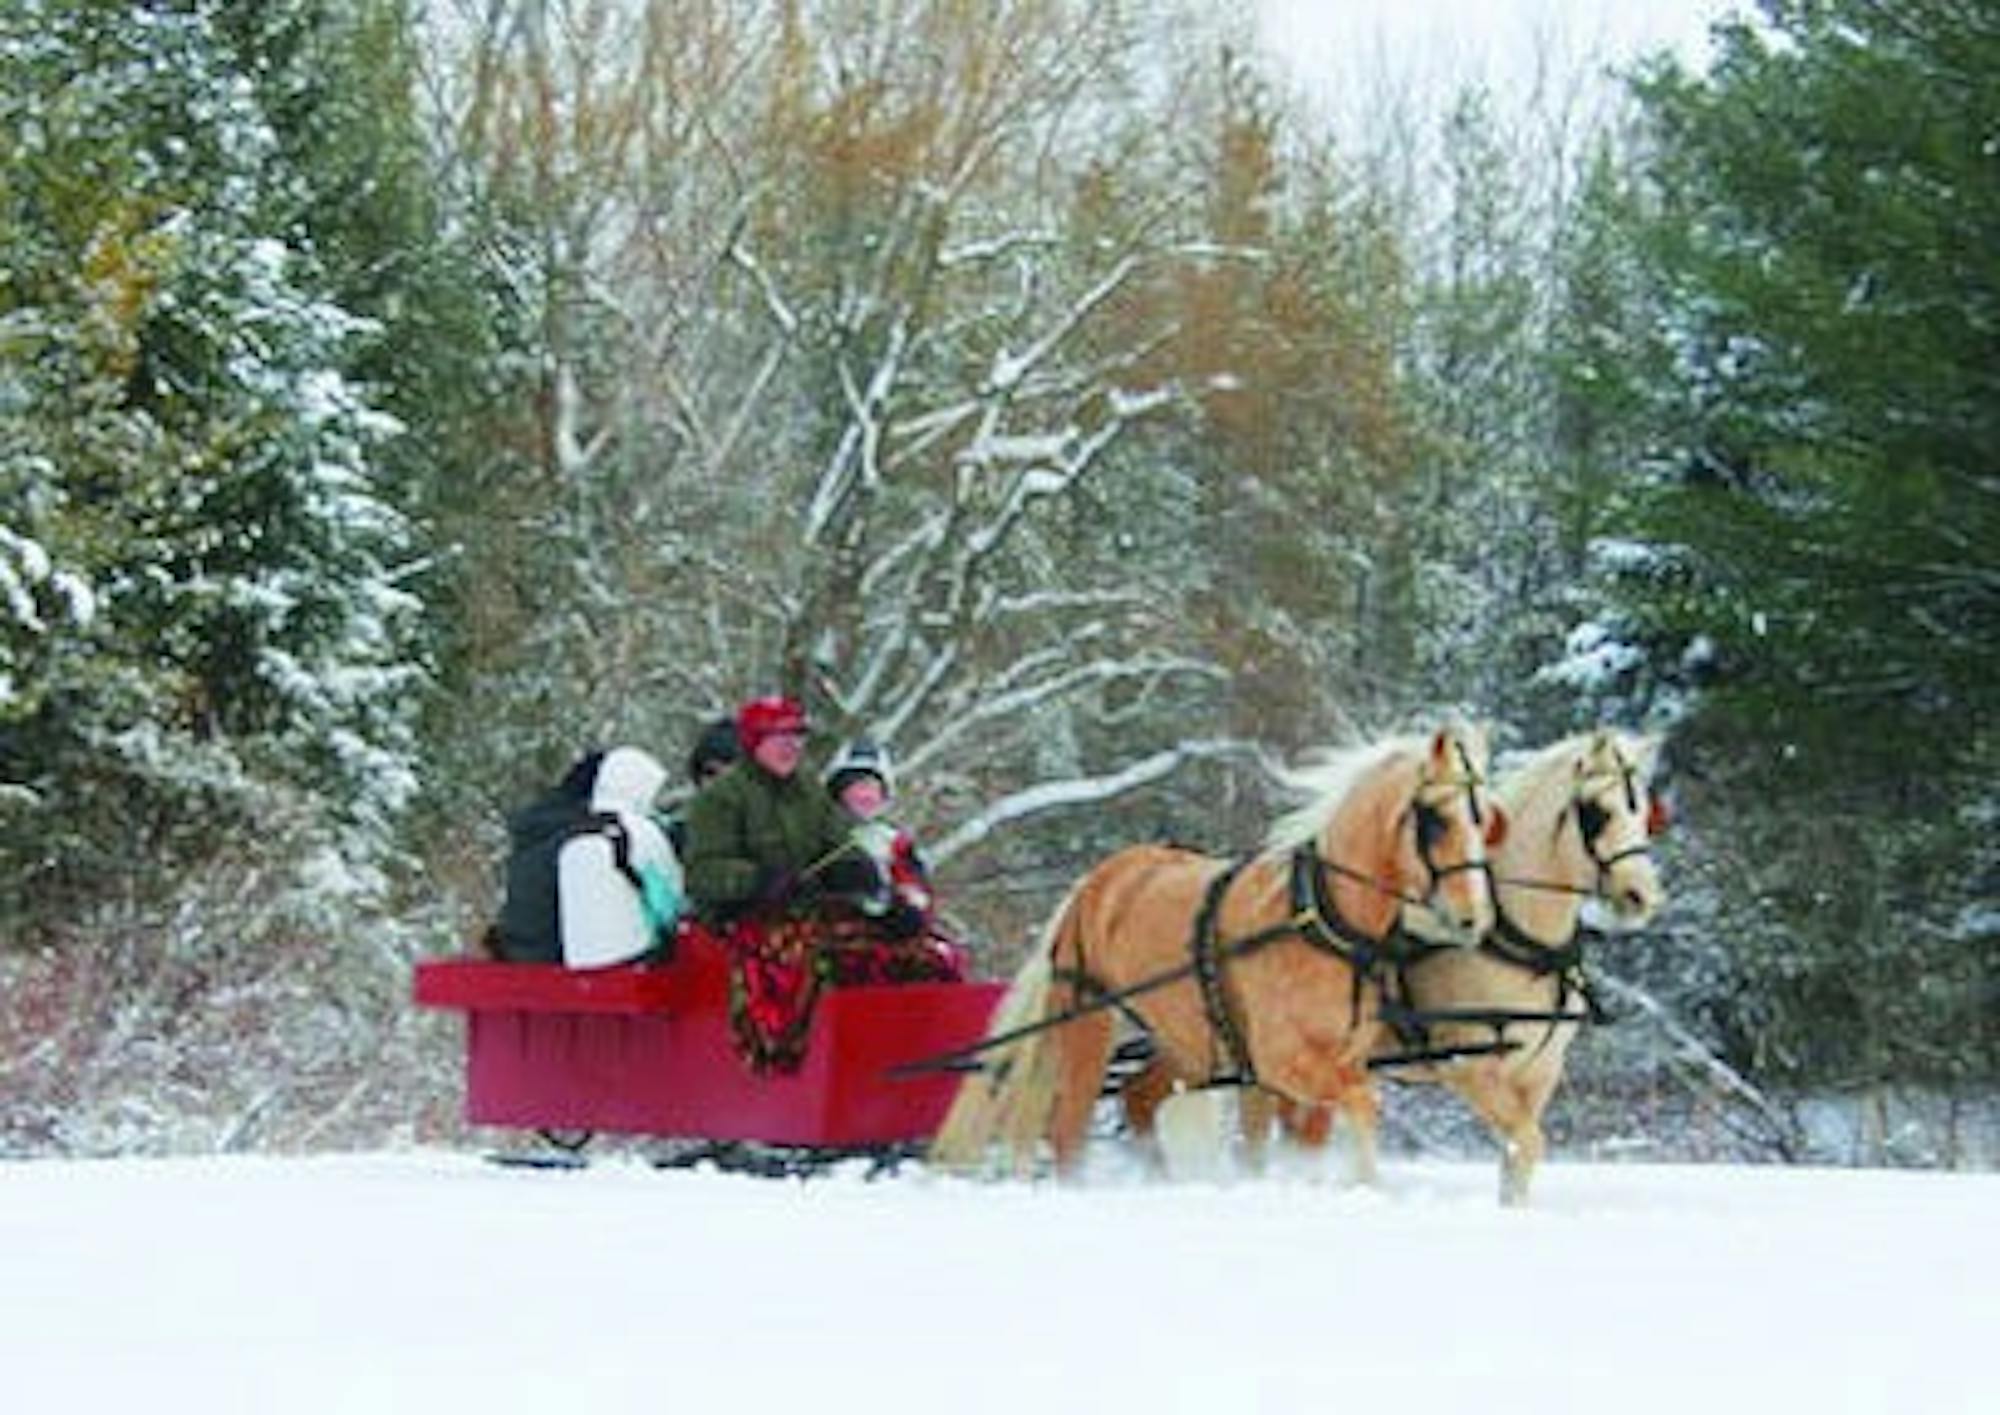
716 747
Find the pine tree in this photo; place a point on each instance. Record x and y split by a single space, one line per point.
1817 539
1823 197
192 451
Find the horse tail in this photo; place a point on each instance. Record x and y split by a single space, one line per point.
1011 1099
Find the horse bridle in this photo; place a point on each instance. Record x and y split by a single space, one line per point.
1592 820
1428 823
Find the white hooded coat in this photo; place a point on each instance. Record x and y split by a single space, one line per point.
600 915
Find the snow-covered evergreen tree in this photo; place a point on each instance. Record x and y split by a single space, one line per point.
203 574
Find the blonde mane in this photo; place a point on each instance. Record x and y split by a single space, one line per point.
1323 783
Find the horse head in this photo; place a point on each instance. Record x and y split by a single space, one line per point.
1441 837
1590 817
1400 830
1617 817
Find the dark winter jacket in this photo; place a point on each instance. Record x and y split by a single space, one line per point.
577 867
527 928
748 831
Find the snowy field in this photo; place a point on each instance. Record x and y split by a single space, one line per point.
434 1281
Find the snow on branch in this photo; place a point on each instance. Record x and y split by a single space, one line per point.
858 453
781 313
994 248
927 534
1009 369
1083 791
1050 601
25 564
917 435
999 706
1040 482
574 454
935 672
1692 1056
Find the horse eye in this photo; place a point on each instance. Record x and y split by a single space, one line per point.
1591 819
1430 827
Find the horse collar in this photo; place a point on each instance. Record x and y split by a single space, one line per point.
1318 918
1513 944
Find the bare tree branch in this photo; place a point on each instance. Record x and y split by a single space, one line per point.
1083 791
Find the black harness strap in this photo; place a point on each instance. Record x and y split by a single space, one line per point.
1398 1009
1563 961
1233 1066
1314 920
1509 943
955 1059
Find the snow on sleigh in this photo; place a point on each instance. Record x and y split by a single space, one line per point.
648 1051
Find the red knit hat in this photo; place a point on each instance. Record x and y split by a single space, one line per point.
766 717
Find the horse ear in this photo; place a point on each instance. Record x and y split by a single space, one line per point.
1441 750
1496 824
1659 816
1647 752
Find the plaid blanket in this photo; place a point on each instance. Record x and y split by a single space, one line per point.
778 967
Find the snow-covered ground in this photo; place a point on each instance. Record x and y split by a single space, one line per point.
434 1281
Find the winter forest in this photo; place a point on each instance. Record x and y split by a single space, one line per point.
398 399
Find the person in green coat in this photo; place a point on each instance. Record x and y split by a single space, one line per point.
763 840
772 868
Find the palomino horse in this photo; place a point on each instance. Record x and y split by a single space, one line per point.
1582 818
1260 971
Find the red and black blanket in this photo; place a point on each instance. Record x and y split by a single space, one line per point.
778 967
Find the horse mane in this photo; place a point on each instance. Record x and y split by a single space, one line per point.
1324 781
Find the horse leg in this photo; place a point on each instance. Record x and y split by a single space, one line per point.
1193 1134
1141 1095
1362 1109
1528 1143
1524 1149
1082 1053
1257 1112
1307 1126
1514 1123
1339 1087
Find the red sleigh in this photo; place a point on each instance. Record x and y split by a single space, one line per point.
647 1050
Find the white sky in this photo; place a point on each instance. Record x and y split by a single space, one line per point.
1341 48
1314 32
432 1282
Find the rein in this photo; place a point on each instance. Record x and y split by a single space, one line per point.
1512 945
1314 920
